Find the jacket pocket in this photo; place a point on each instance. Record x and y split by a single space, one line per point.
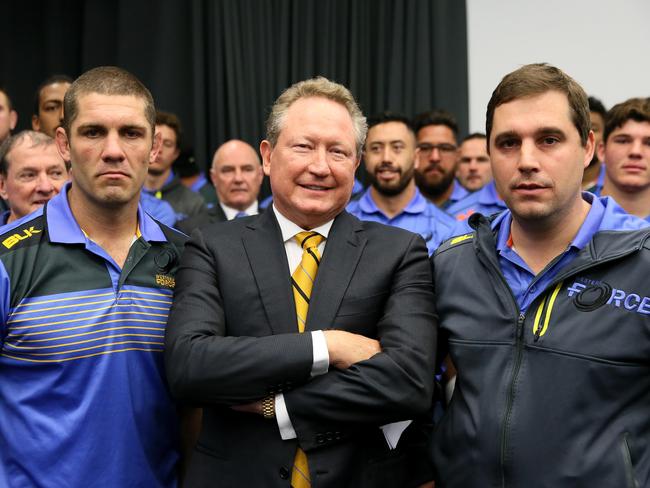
630 478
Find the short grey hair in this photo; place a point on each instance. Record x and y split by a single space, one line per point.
35 138
316 87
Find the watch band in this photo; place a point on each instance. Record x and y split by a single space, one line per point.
268 407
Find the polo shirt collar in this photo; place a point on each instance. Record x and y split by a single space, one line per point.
416 205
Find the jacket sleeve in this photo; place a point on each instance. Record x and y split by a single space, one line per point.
396 384
203 365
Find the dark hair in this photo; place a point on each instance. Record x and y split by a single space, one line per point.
535 79
106 80
474 135
388 116
173 122
436 117
49 81
597 106
36 138
637 109
10 105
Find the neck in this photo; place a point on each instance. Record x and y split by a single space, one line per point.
635 202
393 205
591 175
539 242
188 181
155 182
440 198
108 226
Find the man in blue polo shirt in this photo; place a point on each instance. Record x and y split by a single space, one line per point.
545 310
393 198
85 288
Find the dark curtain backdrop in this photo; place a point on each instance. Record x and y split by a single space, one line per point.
220 64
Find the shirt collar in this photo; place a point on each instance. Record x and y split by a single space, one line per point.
289 229
231 213
589 226
488 195
198 184
416 205
63 227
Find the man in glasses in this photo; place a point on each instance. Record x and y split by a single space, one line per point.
393 199
437 133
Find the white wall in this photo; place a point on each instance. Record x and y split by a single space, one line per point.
603 44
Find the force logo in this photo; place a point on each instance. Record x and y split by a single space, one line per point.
589 297
14 239
165 280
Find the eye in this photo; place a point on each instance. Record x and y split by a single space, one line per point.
398 148
132 133
91 132
549 140
509 143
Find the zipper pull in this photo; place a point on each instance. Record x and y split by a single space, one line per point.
520 325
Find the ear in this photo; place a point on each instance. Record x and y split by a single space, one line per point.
590 147
601 151
155 146
265 151
13 119
3 187
36 123
62 143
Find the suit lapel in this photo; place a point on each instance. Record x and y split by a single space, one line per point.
342 252
265 250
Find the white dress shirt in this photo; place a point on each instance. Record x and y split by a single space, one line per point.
231 213
321 356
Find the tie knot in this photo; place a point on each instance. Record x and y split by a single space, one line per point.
309 239
240 215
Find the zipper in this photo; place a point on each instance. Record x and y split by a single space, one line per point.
630 480
519 334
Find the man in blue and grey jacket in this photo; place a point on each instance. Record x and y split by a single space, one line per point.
545 310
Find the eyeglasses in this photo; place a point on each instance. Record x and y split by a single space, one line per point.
444 148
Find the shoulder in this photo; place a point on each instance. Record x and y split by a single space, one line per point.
457 243
172 235
22 233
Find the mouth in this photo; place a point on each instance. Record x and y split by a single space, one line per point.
318 188
387 173
634 168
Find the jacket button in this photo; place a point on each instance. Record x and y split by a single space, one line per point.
284 473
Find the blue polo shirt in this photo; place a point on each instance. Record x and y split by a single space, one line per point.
604 214
83 395
485 201
419 216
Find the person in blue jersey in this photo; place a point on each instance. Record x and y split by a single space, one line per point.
31 172
473 171
545 310
437 140
392 198
85 287
593 172
625 149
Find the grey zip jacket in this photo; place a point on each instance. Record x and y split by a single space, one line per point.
558 397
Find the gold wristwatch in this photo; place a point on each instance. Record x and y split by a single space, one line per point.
268 407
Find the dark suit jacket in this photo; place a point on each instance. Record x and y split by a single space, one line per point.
232 339
212 216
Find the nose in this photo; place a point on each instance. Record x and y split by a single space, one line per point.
386 153
528 160
239 176
636 148
112 150
44 184
319 165
435 154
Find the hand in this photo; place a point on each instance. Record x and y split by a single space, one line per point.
346 348
255 407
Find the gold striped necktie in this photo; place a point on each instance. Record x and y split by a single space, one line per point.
302 282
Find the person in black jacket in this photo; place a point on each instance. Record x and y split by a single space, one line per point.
545 310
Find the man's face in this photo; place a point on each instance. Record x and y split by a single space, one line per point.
313 162
437 155
598 126
50 108
110 147
626 154
168 153
474 170
537 156
34 175
389 157
236 174
8 117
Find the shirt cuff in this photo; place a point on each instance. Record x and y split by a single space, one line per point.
321 354
282 417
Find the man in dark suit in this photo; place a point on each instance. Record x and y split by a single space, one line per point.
236 174
303 331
